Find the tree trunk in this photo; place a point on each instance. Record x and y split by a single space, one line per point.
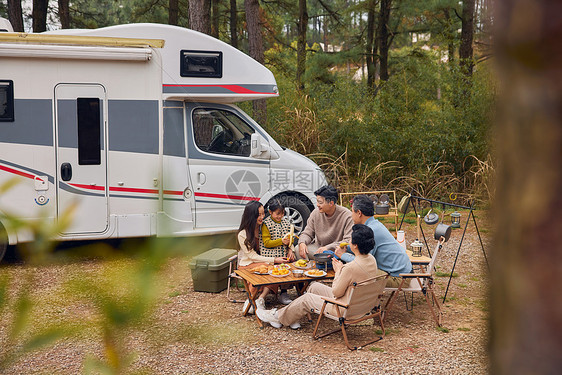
383 36
255 43
173 12
450 35
467 33
233 24
215 16
526 303
369 50
64 14
200 16
15 15
301 44
39 15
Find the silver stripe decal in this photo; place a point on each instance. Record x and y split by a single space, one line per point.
67 117
133 126
131 196
33 123
174 139
73 190
221 202
30 170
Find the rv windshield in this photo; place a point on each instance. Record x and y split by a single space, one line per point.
222 132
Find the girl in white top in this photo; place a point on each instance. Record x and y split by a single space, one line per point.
249 237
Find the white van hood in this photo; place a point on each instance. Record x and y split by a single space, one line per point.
301 167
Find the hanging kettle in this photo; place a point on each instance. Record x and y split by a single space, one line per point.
431 218
442 230
383 207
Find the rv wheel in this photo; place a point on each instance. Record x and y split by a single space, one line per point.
3 241
296 211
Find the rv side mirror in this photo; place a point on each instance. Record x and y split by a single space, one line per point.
256 148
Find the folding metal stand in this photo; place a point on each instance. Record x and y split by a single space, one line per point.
444 204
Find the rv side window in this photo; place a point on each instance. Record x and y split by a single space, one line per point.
201 64
6 100
89 131
221 132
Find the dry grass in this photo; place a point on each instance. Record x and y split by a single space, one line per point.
480 178
362 177
302 131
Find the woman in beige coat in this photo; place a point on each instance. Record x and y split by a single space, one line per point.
249 237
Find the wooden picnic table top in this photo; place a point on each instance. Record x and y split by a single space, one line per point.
418 260
263 280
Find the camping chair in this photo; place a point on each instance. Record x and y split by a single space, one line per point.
364 303
419 281
233 265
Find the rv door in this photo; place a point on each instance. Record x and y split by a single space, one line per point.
81 150
224 174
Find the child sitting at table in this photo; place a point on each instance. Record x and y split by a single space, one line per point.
275 239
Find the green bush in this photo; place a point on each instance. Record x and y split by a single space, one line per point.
432 127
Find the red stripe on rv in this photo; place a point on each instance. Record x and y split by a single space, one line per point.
15 171
172 192
234 88
133 190
223 196
127 190
88 187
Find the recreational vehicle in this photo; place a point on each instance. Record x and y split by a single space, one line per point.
132 131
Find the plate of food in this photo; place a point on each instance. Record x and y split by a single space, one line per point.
262 270
315 273
303 264
282 266
280 272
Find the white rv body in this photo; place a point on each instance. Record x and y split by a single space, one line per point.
101 127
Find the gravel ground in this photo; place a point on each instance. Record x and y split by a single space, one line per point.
203 333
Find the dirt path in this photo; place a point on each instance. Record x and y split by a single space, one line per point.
203 333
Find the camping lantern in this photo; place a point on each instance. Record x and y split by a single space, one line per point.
455 219
416 248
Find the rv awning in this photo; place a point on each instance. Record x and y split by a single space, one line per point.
79 40
75 52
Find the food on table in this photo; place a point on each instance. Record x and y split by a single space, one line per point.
280 271
260 269
301 263
315 273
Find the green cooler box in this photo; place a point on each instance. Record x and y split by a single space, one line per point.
209 270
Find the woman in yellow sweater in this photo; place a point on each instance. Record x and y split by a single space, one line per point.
249 237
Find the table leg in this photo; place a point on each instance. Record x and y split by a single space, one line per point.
252 298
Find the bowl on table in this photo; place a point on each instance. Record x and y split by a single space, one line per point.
298 273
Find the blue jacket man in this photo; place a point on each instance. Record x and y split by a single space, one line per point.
390 256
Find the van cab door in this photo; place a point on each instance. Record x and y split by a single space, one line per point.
81 157
224 175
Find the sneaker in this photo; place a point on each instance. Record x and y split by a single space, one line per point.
251 310
295 325
284 298
269 316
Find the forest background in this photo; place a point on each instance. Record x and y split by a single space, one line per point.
383 94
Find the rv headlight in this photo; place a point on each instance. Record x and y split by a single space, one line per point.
275 90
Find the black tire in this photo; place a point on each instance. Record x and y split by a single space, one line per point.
296 211
3 241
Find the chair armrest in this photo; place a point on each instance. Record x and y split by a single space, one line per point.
409 275
233 258
334 302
